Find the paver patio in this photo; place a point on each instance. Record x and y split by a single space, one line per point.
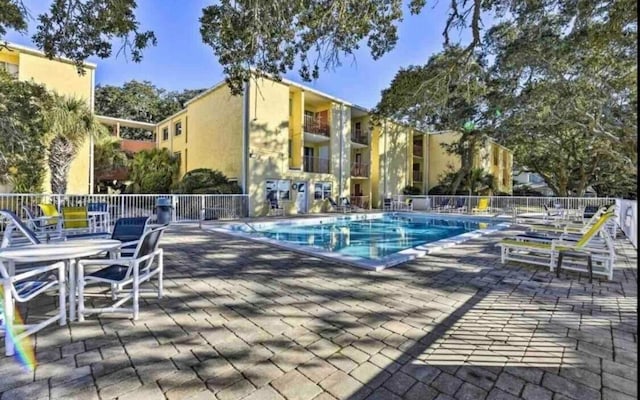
244 320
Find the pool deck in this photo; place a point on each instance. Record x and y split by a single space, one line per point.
241 319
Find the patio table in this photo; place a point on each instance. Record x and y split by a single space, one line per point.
69 251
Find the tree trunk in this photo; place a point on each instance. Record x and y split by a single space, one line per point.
61 153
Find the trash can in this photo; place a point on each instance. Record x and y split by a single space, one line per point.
163 210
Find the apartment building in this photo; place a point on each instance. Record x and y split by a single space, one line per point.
287 141
61 76
492 157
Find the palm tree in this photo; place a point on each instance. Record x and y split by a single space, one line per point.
69 122
154 171
478 179
107 155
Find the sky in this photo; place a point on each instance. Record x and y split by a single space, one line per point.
181 61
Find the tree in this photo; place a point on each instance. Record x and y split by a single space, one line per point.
566 79
140 101
153 171
204 180
449 93
22 152
68 122
107 155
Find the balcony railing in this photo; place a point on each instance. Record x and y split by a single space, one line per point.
417 176
360 169
316 126
358 136
417 150
360 201
316 164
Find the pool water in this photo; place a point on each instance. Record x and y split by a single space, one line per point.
371 239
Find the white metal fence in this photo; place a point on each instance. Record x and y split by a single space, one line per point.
187 207
507 204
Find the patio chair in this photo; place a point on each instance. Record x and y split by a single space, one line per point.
16 224
460 205
553 213
443 204
483 206
568 227
77 219
346 203
98 207
129 230
121 272
275 208
406 205
545 252
22 286
387 205
335 207
51 216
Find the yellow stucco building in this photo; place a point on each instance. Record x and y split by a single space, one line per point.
285 140
61 76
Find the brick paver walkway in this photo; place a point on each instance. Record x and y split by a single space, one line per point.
243 320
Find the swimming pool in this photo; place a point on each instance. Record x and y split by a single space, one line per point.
373 241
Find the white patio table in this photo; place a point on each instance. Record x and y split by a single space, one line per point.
69 251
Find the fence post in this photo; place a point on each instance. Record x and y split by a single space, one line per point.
174 204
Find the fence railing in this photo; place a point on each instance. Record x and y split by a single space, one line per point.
360 169
315 164
184 207
360 201
316 126
359 136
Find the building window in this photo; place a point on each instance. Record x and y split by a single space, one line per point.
277 189
322 190
11 69
177 128
165 133
496 155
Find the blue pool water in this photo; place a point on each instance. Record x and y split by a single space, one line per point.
373 238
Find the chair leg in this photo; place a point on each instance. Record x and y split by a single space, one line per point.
80 294
114 292
160 274
136 292
560 255
590 267
62 296
8 310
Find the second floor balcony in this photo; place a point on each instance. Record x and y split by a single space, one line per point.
417 150
360 170
359 136
315 164
316 125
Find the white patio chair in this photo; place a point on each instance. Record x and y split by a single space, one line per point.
22 287
121 272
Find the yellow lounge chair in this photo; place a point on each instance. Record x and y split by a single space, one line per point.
573 228
51 216
483 206
545 252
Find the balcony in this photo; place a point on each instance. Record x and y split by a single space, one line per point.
316 126
359 137
417 150
315 164
360 170
417 176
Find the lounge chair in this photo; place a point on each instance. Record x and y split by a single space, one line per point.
335 207
124 271
387 205
460 205
346 203
568 227
554 214
275 208
545 252
483 206
443 204
406 205
15 224
51 217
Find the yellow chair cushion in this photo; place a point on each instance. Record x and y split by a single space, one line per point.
51 212
75 217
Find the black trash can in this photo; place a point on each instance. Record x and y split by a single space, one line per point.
163 210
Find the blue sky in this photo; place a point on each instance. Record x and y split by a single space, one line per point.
181 61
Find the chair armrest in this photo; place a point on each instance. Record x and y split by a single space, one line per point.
125 261
37 271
